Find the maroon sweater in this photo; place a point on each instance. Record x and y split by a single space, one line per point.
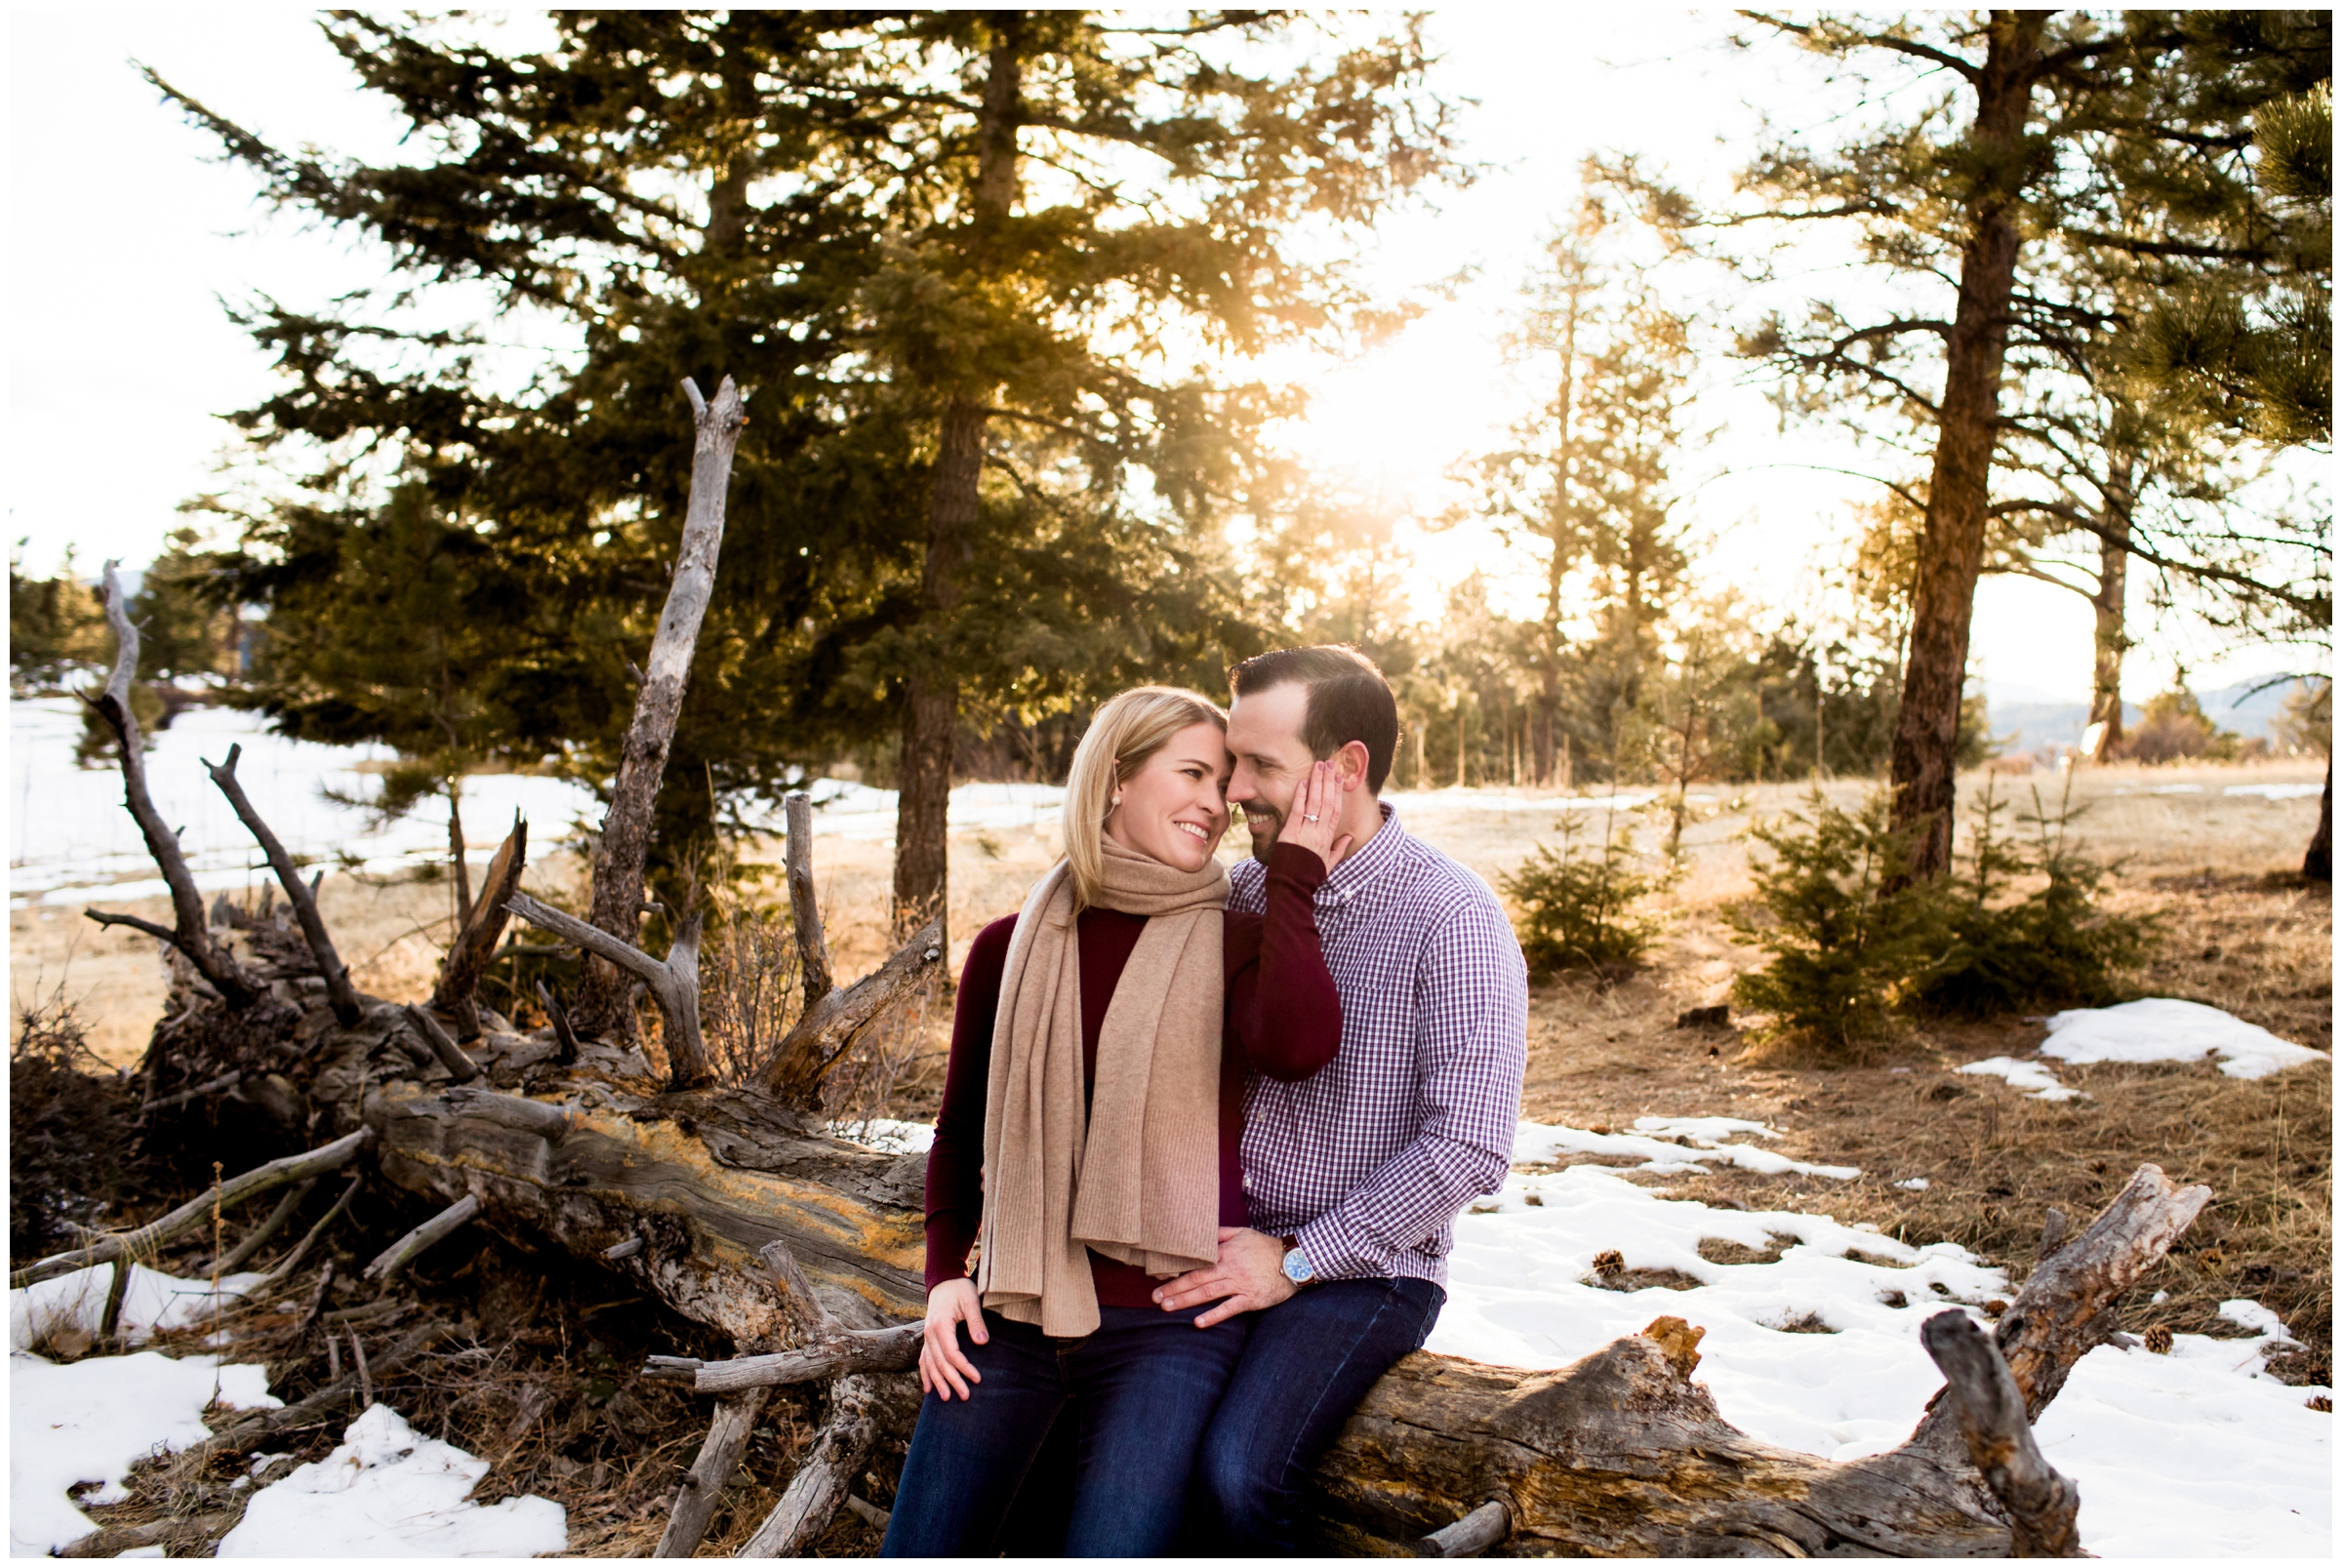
1283 1019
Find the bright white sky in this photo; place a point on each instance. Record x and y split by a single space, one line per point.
127 240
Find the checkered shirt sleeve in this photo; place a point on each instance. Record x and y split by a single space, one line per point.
1368 1161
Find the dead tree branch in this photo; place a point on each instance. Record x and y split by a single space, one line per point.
674 985
619 856
430 1233
2041 1504
468 955
268 1228
145 1240
804 910
2068 1305
814 1493
189 934
884 1350
303 895
703 1484
826 1030
460 1067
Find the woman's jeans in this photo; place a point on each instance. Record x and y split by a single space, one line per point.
1139 1393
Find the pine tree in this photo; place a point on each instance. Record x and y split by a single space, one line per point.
976 269
1988 147
1585 490
54 624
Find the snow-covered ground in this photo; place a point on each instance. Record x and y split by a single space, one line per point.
71 842
389 1491
2157 1028
2160 1029
90 1421
384 1493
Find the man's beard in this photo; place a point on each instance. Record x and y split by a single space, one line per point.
1276 824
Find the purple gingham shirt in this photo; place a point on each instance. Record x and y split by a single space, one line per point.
1368 1161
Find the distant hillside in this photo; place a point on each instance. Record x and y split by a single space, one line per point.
2021 722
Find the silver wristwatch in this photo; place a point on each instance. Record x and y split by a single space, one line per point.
1297 1265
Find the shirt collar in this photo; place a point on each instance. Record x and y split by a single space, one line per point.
1361 866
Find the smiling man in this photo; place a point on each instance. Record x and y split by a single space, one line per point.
1354 1176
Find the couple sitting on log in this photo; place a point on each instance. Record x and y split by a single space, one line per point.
1212 1128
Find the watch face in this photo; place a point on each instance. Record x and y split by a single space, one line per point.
1297 1266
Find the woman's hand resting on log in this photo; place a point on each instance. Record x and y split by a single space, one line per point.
944 1369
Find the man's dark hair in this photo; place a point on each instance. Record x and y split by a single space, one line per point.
1348 700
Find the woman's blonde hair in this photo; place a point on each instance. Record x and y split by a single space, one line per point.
1128 728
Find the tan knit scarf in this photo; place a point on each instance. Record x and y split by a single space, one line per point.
1141 1182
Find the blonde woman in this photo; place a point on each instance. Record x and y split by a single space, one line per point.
1090 1125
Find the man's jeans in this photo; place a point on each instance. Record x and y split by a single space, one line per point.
1307 1361
1139 1392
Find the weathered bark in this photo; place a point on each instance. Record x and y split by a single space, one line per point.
2069 1302
603 1007
804 909
674 985
430 1233
2109 640
703 1485
460 1067
830 1027
811 1497
189 933
483 927
303 896
1475 1533
2317 865
458 854
1951 542
2041 1505
883 1349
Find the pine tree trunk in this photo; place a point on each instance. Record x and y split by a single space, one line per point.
2111 644
931 704
2318 866
1952 544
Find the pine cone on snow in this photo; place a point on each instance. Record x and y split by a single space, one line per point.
1609 1261
2158 1340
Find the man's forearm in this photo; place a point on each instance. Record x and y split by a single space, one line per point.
1401 1207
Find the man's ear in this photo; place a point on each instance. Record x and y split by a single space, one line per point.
1350 765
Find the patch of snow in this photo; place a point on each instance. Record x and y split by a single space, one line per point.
389 1491
90 1421
2162 1028
1536 1144
1916 1184
2176 789
886 1134
1520 1293
2277 792
71 842
2199 1453
152 1301
2029 1077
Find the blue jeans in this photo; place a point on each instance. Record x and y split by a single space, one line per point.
1139 1392
1307 1361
